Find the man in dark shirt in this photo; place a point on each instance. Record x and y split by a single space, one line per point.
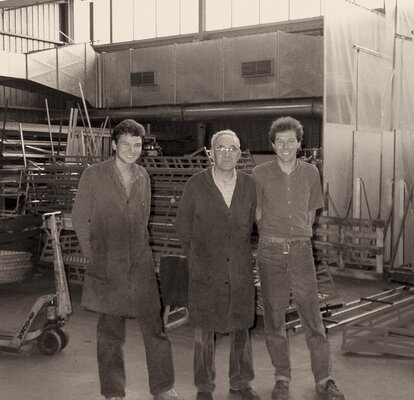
288 195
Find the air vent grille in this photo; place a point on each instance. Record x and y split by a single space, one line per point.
143 78
257 68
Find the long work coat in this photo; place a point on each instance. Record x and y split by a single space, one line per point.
216 239
112 231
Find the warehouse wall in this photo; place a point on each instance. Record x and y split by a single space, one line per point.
23 30
210 71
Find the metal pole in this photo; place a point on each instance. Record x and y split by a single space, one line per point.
3 132
50 128
201 17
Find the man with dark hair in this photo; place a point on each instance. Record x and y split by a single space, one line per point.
214 220
110 217
288 195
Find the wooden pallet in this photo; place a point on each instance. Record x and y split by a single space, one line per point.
352 247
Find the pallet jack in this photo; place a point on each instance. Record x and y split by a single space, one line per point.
51 337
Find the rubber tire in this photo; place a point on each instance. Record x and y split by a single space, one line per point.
64 336
49 342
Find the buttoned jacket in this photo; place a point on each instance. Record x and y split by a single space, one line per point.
217 242
112 230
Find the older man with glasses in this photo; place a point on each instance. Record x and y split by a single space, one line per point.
214 221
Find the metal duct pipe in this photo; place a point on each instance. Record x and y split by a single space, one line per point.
190 113
313 109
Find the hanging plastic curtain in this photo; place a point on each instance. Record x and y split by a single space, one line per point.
356 76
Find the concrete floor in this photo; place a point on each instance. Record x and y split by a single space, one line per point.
72 373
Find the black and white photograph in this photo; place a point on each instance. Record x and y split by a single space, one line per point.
206 199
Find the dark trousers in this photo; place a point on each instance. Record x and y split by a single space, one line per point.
240 364
111 338
279 273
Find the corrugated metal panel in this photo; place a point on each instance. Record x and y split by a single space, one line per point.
161 60
210 71
40 22
298 65
116 67
245 49
200 72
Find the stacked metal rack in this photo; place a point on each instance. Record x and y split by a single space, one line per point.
54 188
168 177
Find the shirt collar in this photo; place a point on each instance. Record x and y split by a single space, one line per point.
135 169
280 169
216 179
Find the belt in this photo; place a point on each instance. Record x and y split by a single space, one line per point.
274 239
284 241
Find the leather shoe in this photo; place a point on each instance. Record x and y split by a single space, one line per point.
246 393
330 390
281 390
204 396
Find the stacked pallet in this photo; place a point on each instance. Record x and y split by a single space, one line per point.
352 246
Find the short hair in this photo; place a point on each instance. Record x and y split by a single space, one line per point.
127 127
222 133
286 124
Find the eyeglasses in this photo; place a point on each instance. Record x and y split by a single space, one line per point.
231 149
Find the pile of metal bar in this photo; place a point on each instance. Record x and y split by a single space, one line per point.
31 150
368 315
53 188
387 330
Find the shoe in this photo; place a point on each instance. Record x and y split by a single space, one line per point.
168 395
246 393
281 390
204 396
330 390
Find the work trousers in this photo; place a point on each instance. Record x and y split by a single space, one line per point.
240 364
110 340
286 267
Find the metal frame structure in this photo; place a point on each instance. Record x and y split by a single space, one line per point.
389 330
378 309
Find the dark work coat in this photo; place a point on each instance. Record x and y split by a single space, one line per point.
216 239
112 231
